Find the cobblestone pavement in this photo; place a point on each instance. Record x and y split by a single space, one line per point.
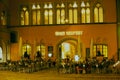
54 75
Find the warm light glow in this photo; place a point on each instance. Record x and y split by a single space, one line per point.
65 50
87 4
33 6
24 9
74 5
49 54
62 5
82 4
63 33
50 5
27 48
98 13
76 58
46 13
45 6
1 56
38 6
50 12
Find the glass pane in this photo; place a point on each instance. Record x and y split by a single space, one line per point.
58 16
41 48
38 17
88 15
75 16
46 17
26 18
105 51
34 17
100 14
26 48
70 16
83 15
50 17
96 15
63 16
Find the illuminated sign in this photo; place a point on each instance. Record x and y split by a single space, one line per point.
70 33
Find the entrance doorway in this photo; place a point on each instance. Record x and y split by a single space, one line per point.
67 48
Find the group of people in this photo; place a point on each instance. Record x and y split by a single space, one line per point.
62 66
88 66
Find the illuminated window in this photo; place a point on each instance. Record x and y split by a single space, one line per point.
98 13
36 15
24 16
1 54
100 50
3 18
41 49
60 13
85 12
73 10
26 49
48 14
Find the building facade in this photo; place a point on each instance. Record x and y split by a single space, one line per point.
58 29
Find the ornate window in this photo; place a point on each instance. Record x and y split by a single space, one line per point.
48 13
98 13
85 12
73 13
60 13
100 50
3 18
24 16
36 14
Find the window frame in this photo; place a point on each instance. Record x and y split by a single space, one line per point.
103 48
98 6
25 22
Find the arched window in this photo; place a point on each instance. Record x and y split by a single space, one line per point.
36 14
48 13
98 13
85 12
1 54
41 49
73 13
60 13
26 49
24 16
3 18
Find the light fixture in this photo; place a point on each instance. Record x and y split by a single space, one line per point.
49 55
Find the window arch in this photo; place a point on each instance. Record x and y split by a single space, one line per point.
73 13
85 12
60 13
98 13
48 13
36 14
26 49
41 49
24 16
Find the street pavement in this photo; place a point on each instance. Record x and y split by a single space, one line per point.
52 74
